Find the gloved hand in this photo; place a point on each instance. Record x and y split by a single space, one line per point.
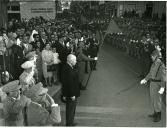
161 90
64 98
143 81
95 58
73 98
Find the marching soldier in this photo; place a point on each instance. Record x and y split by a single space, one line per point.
157 79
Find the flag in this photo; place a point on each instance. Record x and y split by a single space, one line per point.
113 28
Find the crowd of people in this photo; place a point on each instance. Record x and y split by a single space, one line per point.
138 39
49 41
39 53
32 57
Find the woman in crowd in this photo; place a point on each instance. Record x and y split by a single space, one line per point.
47 61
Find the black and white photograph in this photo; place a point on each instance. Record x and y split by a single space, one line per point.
82 63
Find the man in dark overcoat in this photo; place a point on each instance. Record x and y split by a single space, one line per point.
70 88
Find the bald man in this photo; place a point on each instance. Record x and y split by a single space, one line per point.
70 88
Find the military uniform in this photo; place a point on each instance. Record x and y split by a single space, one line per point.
40 116
81 59
157 77
157 80
13 108
41 112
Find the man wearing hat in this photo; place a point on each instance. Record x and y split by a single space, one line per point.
157 79
14 104
42 111
26 78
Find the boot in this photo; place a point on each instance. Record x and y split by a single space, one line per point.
152 115
82 87
157 117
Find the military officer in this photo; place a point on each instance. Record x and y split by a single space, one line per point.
14 104
42 111
81 59
157 79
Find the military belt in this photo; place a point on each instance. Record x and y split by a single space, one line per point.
154 80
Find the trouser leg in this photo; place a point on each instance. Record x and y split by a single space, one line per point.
70 112
156 101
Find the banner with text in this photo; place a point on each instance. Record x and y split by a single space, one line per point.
33 9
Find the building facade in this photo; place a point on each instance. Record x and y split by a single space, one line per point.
148 8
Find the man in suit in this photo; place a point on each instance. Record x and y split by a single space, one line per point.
70 88
52 39
43 39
